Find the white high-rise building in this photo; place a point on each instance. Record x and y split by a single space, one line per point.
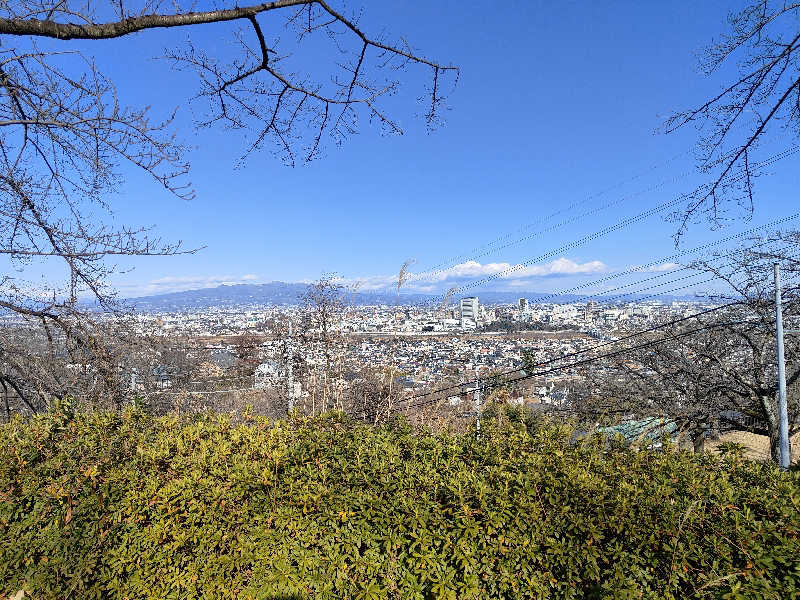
589 310
470 309
523 305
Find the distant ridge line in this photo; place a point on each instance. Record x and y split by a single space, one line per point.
277 293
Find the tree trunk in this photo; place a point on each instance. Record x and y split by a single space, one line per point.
5 398
714 429
699 442
770 409
774 445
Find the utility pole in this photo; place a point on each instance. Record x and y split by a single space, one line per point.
477 405
289 374
783 413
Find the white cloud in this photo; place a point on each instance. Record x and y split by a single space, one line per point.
507 271
367 284
667 266
561 266
425 282
512 275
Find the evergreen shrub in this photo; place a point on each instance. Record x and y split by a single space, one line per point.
110 505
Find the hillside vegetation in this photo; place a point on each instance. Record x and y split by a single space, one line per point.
109 505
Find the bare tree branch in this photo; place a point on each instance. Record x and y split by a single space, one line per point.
765 38
66 138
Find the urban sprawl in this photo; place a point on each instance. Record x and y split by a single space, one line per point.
425 346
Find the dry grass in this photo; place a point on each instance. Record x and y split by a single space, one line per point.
757 445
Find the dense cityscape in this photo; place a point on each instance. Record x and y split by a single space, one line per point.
425 346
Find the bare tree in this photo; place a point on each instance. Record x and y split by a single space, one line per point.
446 301
65 136
402 278
290 358
719 369
763 45
324 304
89 359
247 348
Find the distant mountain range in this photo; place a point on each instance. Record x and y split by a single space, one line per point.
278 293
275 293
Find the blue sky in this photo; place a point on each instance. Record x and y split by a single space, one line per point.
557 103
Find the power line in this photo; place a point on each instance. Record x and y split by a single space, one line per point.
490 248
471 254
718 267
669 258
666 259
619 225
585 350
665 292
586 360
624 350
670 282
636 334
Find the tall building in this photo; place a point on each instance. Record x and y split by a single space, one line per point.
589 310
523 305
470 309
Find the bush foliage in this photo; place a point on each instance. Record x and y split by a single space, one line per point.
106 505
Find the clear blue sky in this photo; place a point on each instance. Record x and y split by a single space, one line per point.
557 101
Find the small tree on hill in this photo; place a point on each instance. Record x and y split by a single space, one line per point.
323 306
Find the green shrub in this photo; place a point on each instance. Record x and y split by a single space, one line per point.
105 505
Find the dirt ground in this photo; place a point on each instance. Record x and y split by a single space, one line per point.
757 445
